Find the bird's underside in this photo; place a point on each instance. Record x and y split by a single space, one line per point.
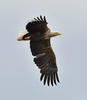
39 35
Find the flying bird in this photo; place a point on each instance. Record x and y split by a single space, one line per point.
39 35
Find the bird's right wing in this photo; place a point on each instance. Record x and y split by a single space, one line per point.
38 25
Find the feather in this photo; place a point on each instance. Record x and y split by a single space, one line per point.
45 78
57 78
44 19
48 80
42 75
35 19
38 19
41 18
54 79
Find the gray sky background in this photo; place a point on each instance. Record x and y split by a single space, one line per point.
19 76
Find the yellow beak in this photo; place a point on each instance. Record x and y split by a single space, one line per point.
23 37
59 33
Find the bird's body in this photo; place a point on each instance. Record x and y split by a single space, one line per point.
39 35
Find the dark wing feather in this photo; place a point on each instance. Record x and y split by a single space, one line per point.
44 19
38 25
46 62
38 19
41 18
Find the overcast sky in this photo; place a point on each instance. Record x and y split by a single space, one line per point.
19 76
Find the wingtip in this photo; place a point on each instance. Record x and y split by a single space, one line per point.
41 18
50 80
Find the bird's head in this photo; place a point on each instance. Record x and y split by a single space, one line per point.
52 34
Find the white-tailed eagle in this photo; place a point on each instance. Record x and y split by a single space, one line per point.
39 35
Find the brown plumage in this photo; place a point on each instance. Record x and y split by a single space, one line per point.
38 25
46 62
40 46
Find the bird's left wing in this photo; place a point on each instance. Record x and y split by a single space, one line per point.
45 60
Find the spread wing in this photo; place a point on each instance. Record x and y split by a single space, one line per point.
45 60
38 25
